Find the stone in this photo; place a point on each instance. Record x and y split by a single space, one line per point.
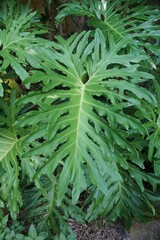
145 231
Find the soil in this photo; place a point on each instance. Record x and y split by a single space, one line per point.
100 231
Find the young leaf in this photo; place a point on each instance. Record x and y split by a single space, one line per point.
32 231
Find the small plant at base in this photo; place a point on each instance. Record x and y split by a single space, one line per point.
15 231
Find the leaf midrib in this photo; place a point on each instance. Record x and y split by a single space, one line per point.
79 119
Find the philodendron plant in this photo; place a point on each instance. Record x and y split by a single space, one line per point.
92 127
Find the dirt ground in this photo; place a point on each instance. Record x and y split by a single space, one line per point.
93 231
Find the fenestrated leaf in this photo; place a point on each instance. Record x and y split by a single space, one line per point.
17 38
10 151
122 18
84 108
10 148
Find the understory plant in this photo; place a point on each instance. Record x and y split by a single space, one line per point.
83 141
16 231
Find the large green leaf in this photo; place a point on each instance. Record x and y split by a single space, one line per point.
10 151
85 112
18 40
13 168
121 18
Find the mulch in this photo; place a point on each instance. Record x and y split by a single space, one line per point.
99 231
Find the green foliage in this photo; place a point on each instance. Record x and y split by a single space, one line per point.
132 19
18 39
38 201
90 123
9 151
1 88
89 130
154 129
43 209
15 231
